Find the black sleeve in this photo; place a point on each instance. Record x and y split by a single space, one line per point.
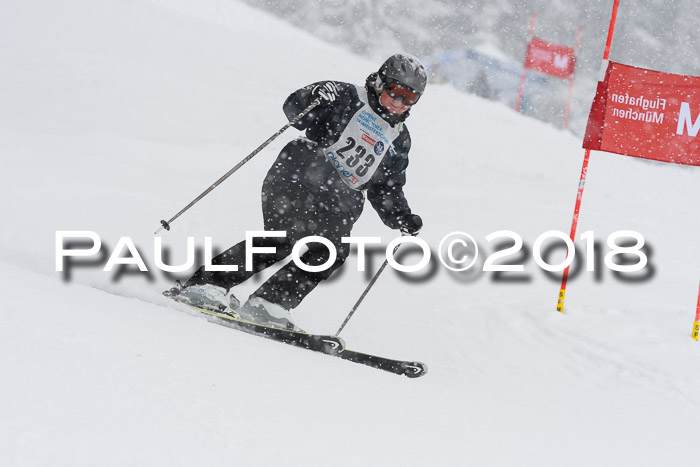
387 197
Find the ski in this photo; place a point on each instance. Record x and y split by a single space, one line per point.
399 367
331 345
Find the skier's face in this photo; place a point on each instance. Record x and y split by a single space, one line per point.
395 106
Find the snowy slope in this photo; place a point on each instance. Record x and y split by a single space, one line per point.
115 114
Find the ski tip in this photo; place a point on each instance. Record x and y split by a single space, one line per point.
415 369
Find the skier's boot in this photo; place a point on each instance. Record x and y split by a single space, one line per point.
205 296
260 311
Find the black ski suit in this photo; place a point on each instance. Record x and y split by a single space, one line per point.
304 192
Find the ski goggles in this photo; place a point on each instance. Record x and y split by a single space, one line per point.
401 93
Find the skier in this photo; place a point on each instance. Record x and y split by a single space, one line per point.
356 143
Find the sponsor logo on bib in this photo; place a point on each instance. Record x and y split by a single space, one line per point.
379 148
366 138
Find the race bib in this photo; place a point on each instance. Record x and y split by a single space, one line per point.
362 146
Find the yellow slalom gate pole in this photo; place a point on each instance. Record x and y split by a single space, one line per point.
696 325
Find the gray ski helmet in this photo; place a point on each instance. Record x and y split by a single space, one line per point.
406 70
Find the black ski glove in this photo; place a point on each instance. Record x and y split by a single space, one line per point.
410 224
327 92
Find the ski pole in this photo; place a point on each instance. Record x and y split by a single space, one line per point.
166 224
364 294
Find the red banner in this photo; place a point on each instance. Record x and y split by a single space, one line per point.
647 114
551 59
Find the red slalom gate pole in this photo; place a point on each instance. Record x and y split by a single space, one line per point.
571 82
696 324
574 225
584 170
611 30
521 85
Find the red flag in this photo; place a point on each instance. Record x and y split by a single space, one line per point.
552 59
647 114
